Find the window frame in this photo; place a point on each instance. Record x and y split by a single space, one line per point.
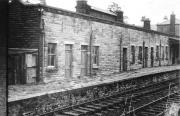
50 54
95 55
140 54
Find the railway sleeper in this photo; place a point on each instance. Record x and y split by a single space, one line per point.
159 108
153 110
106 106
73 113
144 113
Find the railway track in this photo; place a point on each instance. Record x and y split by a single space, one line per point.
119 107
127 103
157 107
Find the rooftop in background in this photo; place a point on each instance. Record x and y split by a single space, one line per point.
167 22
33 1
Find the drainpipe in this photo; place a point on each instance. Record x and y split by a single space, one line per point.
41 52
143 51
90 54
120 52
160 54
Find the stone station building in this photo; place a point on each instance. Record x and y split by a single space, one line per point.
48 44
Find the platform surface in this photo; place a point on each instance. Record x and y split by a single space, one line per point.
19 92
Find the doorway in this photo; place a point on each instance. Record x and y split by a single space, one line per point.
152 56
146 57
68 61
22 67
124 59
84 60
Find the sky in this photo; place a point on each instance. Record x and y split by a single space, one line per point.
155 10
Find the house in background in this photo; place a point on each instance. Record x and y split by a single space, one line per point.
172 27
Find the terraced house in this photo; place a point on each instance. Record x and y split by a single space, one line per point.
48 44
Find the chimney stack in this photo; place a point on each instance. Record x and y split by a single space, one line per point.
147 24
172 24
120 16
82 7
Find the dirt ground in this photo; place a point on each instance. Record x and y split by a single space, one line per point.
17 92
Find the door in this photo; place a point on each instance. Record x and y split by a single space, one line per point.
16 67
146 57
152 56
84 60
68 61
11 70
31 68
124 59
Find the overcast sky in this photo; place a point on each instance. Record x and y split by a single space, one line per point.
133 9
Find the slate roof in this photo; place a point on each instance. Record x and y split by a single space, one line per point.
102 10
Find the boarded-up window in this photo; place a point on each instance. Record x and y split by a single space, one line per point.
140 53
31 68
157 52
51 54
95 55
132 54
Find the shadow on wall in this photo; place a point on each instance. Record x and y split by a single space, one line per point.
3 41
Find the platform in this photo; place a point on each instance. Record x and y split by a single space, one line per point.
20 92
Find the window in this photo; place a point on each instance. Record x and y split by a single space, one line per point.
133 54
157 52
95 55
140 53
51 54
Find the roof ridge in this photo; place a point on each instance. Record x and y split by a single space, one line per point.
177 21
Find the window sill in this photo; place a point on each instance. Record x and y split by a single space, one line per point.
95 66
51 68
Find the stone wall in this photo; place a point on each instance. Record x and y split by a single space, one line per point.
64 29
3 53
56 101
